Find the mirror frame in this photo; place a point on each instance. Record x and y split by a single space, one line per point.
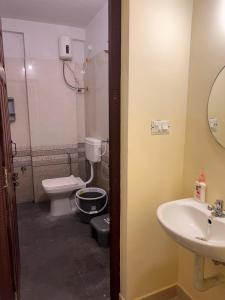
211 88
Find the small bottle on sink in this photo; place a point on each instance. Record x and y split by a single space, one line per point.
200 188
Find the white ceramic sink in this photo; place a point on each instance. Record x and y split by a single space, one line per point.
187 222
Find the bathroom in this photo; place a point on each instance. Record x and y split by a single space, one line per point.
166 186
58 104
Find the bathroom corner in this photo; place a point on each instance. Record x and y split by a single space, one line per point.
201 151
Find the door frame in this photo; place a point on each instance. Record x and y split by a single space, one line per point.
114 142
9 247
114 157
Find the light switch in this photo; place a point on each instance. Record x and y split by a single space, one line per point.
160 127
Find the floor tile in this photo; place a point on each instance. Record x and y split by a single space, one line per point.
59 258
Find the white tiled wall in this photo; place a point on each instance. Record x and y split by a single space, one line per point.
97 32
16 86
56 113
97 97
48 113
41 39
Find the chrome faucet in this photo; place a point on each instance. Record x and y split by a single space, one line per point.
217 209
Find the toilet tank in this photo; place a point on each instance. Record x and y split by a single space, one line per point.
93 149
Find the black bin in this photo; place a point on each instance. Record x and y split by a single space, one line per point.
100 229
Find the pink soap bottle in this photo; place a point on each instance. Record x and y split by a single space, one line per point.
200 188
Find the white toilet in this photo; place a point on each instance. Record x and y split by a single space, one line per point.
60 189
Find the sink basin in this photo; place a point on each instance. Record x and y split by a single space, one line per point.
188 223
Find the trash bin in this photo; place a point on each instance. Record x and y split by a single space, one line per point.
100 227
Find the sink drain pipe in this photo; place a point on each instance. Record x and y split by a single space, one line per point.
201 283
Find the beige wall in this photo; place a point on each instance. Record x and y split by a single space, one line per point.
201 150
154 86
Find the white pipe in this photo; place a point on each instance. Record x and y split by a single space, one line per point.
92 173
104 152
203 284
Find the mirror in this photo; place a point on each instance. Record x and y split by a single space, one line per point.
216 108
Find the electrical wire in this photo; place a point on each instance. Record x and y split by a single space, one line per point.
72 72
65 79
75 88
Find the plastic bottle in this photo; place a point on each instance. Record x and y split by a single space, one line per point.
200 188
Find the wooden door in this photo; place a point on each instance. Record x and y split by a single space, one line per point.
9 242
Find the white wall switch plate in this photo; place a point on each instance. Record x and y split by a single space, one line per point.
160 127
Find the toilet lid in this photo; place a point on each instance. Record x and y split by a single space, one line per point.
56 183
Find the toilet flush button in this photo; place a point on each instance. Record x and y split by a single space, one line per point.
160 127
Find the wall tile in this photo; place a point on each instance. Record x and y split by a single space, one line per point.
24 191
97 111
97 98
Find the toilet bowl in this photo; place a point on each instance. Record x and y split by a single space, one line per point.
59 191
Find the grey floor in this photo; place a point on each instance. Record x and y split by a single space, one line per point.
59 258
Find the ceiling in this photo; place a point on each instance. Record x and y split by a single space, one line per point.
77 13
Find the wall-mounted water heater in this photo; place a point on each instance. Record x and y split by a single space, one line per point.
65 48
